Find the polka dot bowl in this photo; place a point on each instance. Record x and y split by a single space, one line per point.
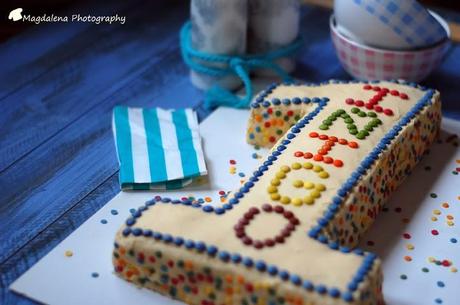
368 63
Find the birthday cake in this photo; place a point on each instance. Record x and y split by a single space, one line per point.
289 234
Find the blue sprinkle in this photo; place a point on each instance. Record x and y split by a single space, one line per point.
261 266
307 285
200 246
208 208
129 221
126 232
453 240
189 244
337 200
114 212
281 148
306 100
272 270
104 221
353 286
286 101
148 233
176 201
157 235
296 100
220 211
441 284
321 289
295 279
233 201
334 292
276 101
241 174
137 231
236 258
212 250
227 206
322 239
248 262
137 214
95 274
438 301
266 104
165 199
284 275
167 238
334 245
347 296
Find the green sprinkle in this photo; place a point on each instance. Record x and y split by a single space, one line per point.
327 122
349 120
362 114
323 127
372 114
368 128
344 115
355 110
433 195
279 132
340 111
353 131
278 113
351 126
425 269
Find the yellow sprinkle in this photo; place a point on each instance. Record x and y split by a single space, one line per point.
308 200
308 185
68 253
315 194
317 169
431 259
272 189
280 175
320 187
323 175
297 201
458 161
450 223
275 182
275 196
410 247
297 183
285 168
436 212
453 269
307 165
433 218
296 165
285 200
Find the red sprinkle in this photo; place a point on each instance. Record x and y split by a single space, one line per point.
323 137
403 96
367 87
313 134
233 162
308 155
434 232
338 163
272 139
298 154
350 101
353 145
388 111
359 103
267 124
290 113
318 158
378 108
270 110
406 236
446 263
394 92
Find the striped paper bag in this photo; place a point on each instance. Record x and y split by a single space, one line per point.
157 148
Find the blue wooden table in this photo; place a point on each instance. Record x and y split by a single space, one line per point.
58 85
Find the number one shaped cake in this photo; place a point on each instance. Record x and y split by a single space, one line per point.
289 234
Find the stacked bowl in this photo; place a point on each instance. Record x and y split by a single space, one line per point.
388 39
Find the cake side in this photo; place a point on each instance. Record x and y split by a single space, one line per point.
394 164
246 263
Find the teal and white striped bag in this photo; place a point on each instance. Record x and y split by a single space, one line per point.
157 148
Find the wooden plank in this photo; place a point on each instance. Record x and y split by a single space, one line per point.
70 164
46 240
43 107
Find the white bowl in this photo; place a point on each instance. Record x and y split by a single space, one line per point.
368 63
388 24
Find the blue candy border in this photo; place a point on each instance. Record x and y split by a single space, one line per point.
333 208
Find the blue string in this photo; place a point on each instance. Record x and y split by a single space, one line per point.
232 65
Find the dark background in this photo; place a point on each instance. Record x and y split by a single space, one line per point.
9 29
